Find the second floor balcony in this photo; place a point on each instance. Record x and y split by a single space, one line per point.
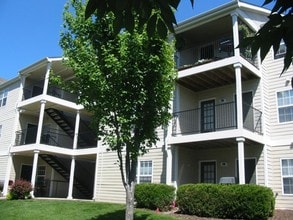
213 118
54 137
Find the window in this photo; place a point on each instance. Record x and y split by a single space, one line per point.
287 176
3 97
145 171
285 105
282 50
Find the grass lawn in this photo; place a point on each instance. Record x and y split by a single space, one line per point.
70 210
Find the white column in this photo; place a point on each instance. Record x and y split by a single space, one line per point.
169 165
71 179
47 77
7 175
235 34
41 120
239 109
176 163
241 160
76 130
34 171
96 174
266 171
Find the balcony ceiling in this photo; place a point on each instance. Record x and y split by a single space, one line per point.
214 78
209 31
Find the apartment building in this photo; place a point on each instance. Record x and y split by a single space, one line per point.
232 120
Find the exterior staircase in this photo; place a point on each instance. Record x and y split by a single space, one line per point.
62 120
58 166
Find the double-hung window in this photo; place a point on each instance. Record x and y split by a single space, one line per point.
287 176
3 97
285 105
145 171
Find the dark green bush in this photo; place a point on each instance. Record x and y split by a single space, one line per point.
153 196
226 201
20 189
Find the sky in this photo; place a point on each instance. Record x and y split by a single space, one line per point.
30 29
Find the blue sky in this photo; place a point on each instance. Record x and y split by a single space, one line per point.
30 29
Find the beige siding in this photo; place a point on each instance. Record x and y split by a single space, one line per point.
275 83
7 120
278 153
109 186
3 165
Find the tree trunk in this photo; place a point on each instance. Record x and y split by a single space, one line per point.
129 212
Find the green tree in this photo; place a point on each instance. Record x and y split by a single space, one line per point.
125 80
279 26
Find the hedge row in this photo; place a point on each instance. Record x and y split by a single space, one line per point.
226 201
153 196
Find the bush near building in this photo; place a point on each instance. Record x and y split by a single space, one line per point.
226 201
153 196
20 189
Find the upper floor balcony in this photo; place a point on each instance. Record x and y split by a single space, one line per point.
37 88
213 118
207 52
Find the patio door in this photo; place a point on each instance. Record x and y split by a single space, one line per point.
31 134
208 172
247 111
208 116
26 172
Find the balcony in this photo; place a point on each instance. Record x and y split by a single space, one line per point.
215 118
37 89
54 137
207 52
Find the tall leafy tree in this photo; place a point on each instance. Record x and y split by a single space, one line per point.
126 80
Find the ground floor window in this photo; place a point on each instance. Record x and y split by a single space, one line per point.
287 175
145 171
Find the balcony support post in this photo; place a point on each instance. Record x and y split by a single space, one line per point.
169 165
76 129
239 108
34 171
235 34
71 178
241 160
41 120
47 77
7 175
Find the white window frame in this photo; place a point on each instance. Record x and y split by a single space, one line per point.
281 51
144 175
284 105
3 97
286 176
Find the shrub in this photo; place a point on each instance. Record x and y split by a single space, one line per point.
20 190
153 196
226 201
